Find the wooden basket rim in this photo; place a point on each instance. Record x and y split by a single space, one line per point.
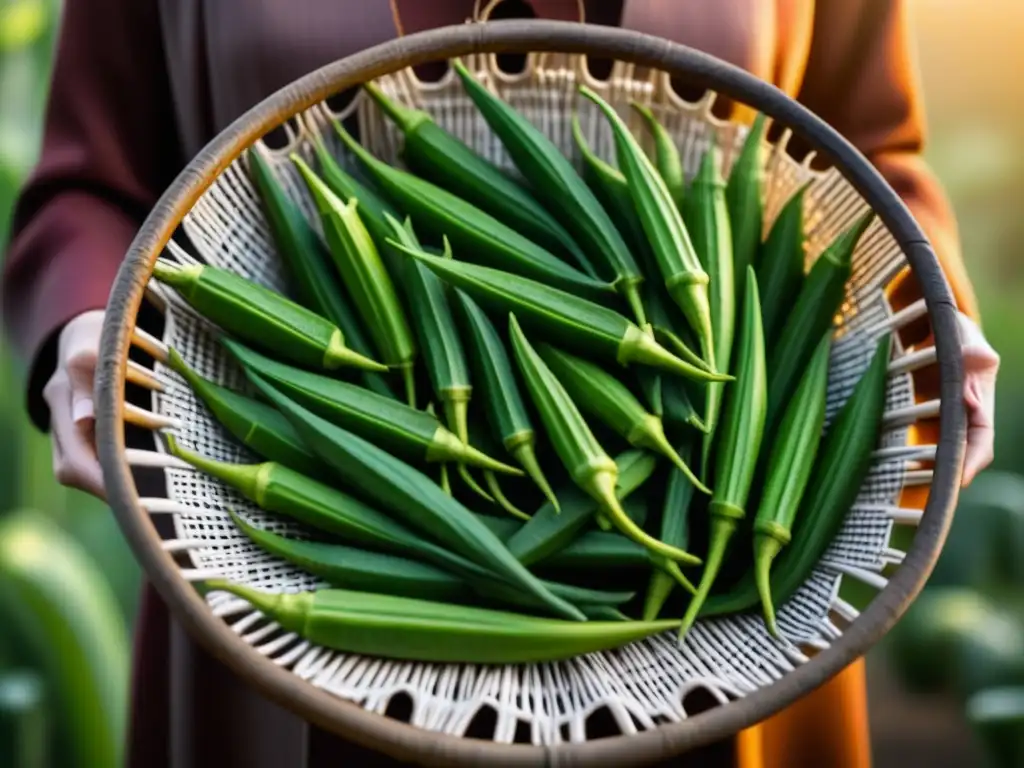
404 741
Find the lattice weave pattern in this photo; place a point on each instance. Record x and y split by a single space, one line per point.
643 684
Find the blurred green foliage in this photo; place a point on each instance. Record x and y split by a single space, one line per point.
68 581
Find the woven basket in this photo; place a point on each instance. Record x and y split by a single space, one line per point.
537 709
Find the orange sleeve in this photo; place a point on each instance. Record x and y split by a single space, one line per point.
862 78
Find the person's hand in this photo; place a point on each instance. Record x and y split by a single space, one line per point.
69 395
981 364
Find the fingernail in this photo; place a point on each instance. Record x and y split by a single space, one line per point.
82 409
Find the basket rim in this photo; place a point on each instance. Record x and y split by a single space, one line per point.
408 742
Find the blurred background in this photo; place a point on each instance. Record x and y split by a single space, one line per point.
939 683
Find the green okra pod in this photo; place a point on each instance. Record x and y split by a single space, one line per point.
600 395
359 263
738 445
473 233
503 401
373 209
306 262
780 272
424 631
309 266
588 465
789 470
555 181
439 340
482 438
262 317
679 409
415 497
707 219
590 550
550 531
438 156
572 321
812 314
684 276
391 424
350 568
666 154
277 489
675 530
255 425
744 195
840 467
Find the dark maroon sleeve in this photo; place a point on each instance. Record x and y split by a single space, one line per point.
109 149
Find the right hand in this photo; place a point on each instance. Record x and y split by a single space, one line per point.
69 395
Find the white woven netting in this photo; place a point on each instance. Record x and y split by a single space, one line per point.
640 685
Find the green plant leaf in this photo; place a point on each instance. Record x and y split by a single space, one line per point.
55 597
22 23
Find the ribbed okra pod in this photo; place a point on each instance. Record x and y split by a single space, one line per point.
393 425
503 401
262 317
780 269
789 470
436 155
738 445
744 195
419 630
813 313
255 425
439 340
591 550
474 234
675 530
372 207
588 465
599 394
554 180
369 283
574 322
350 568
308 265
277 489
707 219
412 495
610 188
684 276
666 155
843 461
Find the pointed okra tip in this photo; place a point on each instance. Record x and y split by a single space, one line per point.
324 198
840 251
709 173
406 118
765 550
525 454
646 113
589 93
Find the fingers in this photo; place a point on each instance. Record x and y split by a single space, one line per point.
979 398
74 450
981 367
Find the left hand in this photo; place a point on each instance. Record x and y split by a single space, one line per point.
981 364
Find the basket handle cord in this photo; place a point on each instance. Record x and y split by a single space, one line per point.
485 13
478 14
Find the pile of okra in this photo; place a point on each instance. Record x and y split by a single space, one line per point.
525 416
